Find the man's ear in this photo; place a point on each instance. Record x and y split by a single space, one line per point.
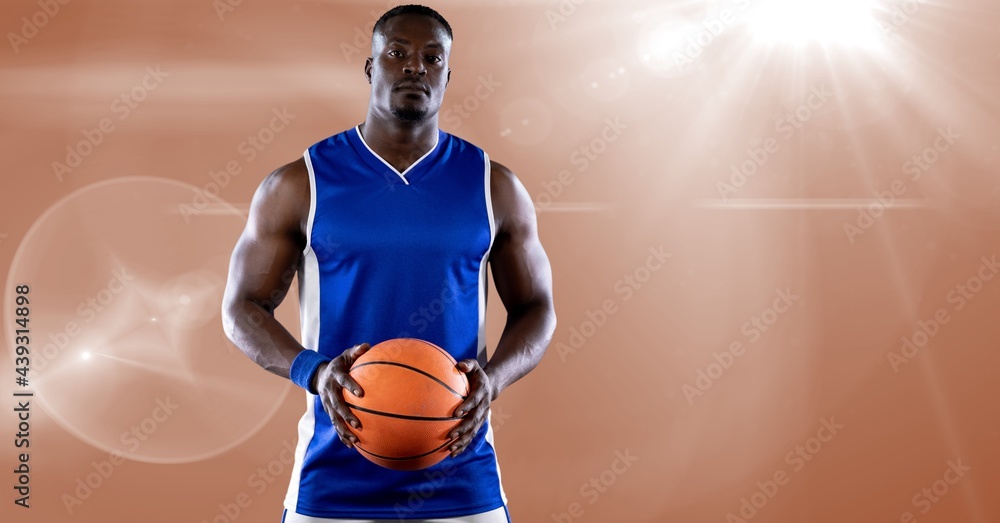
368 69
448 78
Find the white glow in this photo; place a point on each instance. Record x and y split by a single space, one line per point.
796 22
659 46
85 356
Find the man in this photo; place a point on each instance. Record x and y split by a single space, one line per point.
389 226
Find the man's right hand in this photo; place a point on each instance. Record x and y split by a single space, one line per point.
330 381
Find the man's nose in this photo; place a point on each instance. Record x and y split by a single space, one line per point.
414 66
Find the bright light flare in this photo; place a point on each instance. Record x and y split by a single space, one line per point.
660 45
797 22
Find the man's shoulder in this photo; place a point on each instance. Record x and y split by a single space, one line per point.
340 138
281 202
459 142
288 181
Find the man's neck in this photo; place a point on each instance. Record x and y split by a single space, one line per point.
399 143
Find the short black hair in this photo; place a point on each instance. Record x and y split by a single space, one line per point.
414 9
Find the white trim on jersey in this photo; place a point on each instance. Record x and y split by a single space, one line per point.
489 439
489 197
402 175
483 289
483 284
309 317
312 200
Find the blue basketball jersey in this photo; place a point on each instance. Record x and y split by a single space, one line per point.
393 254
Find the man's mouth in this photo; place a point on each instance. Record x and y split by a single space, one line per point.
412 87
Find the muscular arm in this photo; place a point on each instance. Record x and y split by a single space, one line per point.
262 266
523 279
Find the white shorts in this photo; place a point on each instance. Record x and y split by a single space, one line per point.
499 515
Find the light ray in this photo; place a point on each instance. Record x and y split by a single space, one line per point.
576 207
817 204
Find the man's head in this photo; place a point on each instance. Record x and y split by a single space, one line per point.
408 68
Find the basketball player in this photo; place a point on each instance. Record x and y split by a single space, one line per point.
389 226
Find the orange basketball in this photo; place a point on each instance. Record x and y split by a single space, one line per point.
411 390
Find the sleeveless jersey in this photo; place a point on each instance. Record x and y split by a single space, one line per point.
393 255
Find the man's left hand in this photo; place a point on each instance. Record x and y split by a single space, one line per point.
474 409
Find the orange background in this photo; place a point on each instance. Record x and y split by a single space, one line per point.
623 150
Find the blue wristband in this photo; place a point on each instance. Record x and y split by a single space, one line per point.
304 366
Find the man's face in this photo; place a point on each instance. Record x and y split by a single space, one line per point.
408 69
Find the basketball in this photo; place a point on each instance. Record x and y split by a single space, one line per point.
411 390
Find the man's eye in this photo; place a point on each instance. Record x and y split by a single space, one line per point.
395 52
434 59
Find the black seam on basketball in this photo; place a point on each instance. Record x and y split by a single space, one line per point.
401 459
439 349
414 369
401 416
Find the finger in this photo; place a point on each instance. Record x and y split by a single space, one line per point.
477 394
467 365
473 421
473 401
344 433
468 405
464 433
461 428
347 382
340 375
460 445
357 350
348 358
341 408
453 447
